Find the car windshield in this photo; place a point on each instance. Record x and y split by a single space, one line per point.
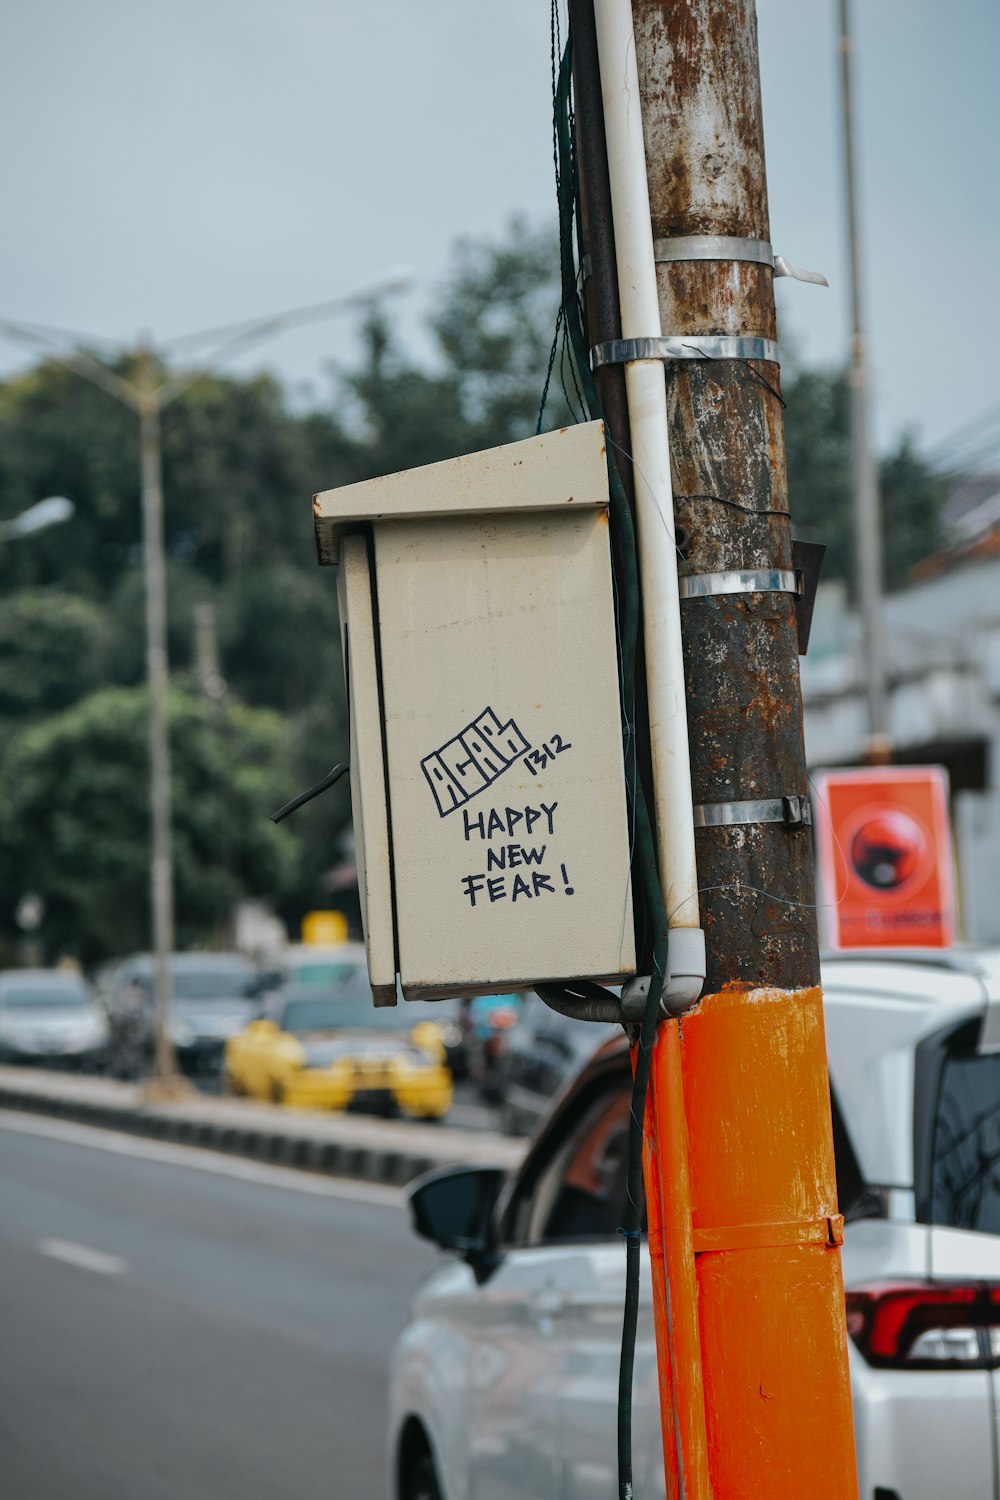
965 1149
349 1006
211 984
327 973
42 996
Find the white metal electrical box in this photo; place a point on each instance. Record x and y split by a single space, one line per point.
487 775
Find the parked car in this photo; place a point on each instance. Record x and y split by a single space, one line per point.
212 996
505 1381
327 965
328 1047
313 963
50 1016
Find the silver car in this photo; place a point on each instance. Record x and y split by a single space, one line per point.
50 1016
505 1382
213 996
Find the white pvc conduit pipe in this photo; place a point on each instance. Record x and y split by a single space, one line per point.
647 404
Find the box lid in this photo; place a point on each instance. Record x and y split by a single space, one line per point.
562 468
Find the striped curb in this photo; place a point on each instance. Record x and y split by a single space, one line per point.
279 1147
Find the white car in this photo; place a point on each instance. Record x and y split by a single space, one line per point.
504 1384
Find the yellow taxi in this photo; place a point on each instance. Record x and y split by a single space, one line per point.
325 1046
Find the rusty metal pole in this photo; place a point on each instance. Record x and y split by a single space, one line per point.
764 1225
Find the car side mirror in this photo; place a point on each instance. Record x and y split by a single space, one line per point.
454 1209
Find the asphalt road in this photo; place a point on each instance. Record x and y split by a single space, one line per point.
169 1332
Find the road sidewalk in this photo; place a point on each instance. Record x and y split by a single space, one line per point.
374 1150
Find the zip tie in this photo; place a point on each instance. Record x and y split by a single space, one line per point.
687 346
741 581
794 812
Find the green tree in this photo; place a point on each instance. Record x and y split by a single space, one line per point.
913 495
53 650
494 330
390 413
239 471
76 819
320 832
818 444
59 435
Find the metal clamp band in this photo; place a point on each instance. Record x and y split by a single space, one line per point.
741 581
731 247
828 1231
688 346
713 247
794 812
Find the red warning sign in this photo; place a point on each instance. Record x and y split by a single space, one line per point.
885 858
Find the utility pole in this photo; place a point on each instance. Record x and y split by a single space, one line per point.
158 681
864 469
744 1232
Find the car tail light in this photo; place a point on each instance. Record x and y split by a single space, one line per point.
926 1325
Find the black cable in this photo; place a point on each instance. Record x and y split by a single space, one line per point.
581 1000
314 791
748 510
548 373
766 384
753 371
632 1228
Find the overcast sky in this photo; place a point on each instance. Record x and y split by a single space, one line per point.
174 164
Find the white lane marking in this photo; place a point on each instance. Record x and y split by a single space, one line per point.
120 1144
84 1256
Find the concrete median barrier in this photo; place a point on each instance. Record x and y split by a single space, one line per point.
356 1146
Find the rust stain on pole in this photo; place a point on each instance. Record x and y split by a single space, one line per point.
699 74
698 71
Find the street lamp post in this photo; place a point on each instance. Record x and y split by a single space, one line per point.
158 680
147 393
864 466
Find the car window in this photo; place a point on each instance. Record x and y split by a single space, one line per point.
855 1199
349 1004
37 996
576 1190
314 1013
211 984
319 972
964 1156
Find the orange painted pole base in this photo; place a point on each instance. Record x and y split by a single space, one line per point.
766 1236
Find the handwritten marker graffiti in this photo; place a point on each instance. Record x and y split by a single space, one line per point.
511 855
473 760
